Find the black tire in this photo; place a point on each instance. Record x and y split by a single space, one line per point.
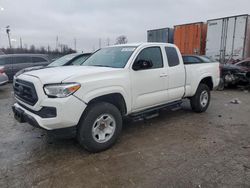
84 132
195 101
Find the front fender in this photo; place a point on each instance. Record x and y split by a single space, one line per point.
105 91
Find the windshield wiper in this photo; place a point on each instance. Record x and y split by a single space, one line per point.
101 66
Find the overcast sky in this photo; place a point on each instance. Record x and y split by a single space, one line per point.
40 21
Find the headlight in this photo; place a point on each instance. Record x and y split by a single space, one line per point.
61 90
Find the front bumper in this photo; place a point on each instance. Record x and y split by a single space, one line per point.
23 117
68 113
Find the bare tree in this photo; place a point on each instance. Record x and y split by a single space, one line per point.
42 50
38 50
121 39
32 49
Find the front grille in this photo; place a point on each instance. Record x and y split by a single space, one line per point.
25 91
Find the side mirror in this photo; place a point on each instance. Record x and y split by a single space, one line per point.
142 64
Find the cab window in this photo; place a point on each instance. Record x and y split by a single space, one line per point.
172 56
152 54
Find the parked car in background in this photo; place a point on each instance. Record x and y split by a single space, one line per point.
15 62
70 59
3 77
194 59
232 75
244 64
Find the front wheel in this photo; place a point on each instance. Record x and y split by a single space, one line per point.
200 101
100 127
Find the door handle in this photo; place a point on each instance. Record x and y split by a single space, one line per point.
163 75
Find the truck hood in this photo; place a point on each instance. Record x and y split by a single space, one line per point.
59 74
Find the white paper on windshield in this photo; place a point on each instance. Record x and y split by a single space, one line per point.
128 49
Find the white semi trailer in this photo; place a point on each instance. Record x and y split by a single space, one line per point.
228 39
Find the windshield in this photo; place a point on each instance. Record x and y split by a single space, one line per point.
63 60
80 60
115 57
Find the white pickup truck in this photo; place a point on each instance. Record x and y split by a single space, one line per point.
131 80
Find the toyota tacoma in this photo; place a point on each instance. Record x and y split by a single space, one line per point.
130 80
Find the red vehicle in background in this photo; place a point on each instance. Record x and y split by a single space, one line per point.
235 74
3 77
244 64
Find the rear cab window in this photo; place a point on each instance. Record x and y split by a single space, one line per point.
172 56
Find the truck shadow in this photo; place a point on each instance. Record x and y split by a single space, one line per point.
164 115
129 125
130 128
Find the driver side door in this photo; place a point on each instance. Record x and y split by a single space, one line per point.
149 86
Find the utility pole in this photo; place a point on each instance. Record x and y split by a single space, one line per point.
100 43
8 34
21 43
56 42
108 41
75 43
48 49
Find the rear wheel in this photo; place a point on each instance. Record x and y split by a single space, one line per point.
200 101
100 127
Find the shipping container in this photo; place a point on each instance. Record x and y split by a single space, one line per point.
161 35
228 39
191 38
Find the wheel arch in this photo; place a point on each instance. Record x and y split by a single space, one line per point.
116 99
207 81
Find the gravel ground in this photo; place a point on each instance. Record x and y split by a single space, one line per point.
176 149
